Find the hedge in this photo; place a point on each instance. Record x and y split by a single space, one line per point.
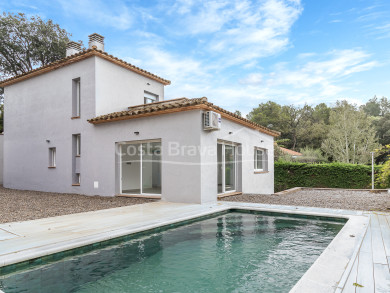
332 175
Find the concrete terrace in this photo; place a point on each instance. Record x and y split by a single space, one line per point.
360 253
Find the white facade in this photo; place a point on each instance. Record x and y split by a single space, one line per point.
39 115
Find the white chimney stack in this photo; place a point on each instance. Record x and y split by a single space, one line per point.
72 48
96 40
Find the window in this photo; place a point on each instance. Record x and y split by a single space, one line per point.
260 159
76 97
140 168
76 151
227 167
150 98
78 145
52 157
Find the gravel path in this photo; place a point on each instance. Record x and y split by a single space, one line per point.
335 199
21 205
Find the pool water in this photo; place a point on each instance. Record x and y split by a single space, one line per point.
233 252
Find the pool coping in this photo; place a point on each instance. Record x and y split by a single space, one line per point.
327 274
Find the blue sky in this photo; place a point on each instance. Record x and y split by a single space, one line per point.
241 53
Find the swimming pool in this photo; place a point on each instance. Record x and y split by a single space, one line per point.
229 252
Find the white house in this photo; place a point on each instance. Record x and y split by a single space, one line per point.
94 124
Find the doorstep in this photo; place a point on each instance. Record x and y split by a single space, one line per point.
229 194
140 196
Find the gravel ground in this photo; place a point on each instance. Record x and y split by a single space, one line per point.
335 199
21 205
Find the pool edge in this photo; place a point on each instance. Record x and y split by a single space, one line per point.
308 280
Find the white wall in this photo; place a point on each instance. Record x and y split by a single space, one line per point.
40 109
1 157
248 139
118 88
180 173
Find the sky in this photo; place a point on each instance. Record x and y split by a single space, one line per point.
240 53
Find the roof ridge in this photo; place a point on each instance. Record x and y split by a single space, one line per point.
86 52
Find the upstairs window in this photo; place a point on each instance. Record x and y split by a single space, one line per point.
76 97
150 98
260 160
52 157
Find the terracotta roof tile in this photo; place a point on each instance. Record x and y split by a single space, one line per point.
290 152
177 105
78 57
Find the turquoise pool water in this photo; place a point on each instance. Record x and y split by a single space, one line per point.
233 252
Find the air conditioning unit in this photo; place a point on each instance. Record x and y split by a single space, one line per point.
211 121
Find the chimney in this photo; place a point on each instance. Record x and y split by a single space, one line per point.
96 40
72 48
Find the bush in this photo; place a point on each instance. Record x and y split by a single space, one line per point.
331 175
310 155
383 178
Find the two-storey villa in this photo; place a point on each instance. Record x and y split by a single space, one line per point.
94 124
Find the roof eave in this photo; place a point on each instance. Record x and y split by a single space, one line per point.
76 58
120 117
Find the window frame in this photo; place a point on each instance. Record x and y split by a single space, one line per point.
76 97
52 157
78 145
140 152
149 96
264 160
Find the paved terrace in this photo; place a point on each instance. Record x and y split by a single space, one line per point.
371 267
359 254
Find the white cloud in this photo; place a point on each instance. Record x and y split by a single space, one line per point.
252 79
204 47
242 30
325 78
310 79
112 13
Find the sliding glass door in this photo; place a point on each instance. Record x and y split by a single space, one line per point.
230 168
227 167
141 168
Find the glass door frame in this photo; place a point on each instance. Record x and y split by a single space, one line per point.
140 143
223 162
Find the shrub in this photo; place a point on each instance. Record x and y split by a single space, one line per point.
383 178
310 155
331 175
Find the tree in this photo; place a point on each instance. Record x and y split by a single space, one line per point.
314 126
375 107
351 135
372 107
301 126
296 119
321 113
238 113
285 119
269 115
28 43
385 106
382 126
